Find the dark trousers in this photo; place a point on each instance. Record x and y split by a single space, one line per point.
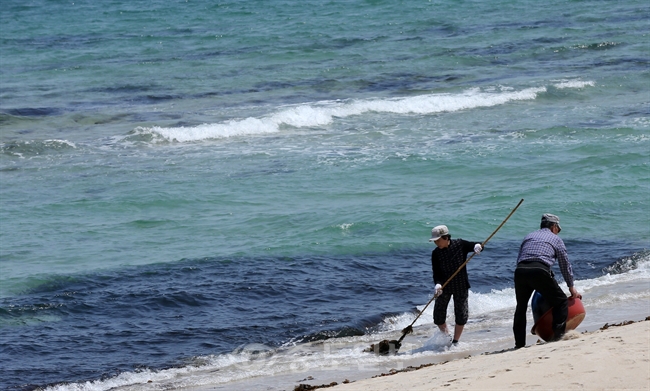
537 276
461 308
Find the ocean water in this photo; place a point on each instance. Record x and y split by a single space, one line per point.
239 195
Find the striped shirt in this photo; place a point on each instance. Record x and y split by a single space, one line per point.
545 246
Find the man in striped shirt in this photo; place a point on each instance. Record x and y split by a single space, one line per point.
538 252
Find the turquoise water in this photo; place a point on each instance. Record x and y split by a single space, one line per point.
327 138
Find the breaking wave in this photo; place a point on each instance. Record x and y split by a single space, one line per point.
324 113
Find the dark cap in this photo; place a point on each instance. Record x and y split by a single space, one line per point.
549 218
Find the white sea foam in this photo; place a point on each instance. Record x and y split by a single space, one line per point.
574 84
324 113
346 227
482 304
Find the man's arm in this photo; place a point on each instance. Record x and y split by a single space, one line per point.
435 268
563 260
469 247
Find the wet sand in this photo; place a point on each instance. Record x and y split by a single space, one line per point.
616 357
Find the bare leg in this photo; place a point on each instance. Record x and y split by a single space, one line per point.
443 328
458 330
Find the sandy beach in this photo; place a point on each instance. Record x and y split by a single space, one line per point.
612 358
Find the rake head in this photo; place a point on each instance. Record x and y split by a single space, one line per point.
384 347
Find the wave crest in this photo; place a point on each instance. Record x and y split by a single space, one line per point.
324 113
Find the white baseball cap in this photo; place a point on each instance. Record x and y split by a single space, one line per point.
438 231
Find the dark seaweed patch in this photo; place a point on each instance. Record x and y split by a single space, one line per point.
34 111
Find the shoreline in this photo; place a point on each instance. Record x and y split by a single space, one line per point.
616 356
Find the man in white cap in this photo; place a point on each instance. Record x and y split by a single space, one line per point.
446 258
538 252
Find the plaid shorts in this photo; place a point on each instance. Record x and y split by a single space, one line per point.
461 308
